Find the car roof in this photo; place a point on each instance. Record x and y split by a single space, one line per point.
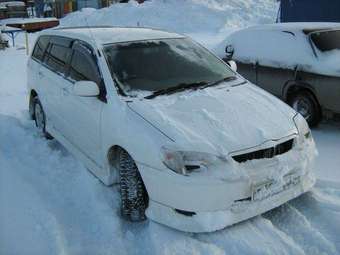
109 35
293 27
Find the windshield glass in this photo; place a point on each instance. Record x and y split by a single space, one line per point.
327 40
156 65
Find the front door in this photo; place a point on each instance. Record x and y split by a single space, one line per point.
82 115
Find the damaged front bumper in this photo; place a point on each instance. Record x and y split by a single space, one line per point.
240 210
252 188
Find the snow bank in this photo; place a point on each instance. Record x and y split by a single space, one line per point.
207 21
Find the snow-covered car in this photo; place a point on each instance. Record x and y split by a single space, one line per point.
297 62
192 144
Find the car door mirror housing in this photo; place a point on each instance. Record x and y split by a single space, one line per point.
86 89
232 65
229 50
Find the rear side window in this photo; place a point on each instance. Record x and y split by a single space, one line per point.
57 57
83 66
40 47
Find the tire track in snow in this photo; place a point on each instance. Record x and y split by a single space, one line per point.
302 230
255 236
65 189
322 212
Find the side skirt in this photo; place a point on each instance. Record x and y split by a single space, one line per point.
102 174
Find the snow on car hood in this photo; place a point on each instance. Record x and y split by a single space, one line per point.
219 119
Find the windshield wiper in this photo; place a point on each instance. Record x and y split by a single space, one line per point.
214 83
179 87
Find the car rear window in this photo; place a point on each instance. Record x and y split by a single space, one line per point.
326 40
40 48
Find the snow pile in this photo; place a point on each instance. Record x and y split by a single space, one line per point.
182 16
207 21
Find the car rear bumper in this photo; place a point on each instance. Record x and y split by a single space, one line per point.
215 220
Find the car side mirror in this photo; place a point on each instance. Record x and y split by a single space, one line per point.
233 65
229 50
86 89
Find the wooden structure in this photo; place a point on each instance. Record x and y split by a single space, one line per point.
32 25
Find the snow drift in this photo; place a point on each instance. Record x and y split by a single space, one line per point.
182 16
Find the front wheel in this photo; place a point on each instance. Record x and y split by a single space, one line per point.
134 197
40 118
304 103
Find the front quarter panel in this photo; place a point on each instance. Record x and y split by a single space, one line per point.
124 128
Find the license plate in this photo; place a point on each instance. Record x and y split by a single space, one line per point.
270 188
262 191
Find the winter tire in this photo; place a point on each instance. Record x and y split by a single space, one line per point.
305 104
134 197
40 118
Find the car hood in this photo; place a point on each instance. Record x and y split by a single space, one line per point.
220 119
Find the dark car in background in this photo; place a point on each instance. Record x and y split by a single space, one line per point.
297 62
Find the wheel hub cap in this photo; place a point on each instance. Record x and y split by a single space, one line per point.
302 107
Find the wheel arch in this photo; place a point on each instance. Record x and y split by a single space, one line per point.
112 157
295 86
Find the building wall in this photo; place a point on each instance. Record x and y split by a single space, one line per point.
310 10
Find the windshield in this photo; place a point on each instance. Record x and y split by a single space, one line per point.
326 40
156 65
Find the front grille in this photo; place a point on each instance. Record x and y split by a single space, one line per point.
265 153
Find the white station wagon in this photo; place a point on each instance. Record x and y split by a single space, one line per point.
192 144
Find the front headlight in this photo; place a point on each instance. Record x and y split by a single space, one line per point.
302 127
185 162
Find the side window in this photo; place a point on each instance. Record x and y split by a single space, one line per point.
83 66
40 47
57 57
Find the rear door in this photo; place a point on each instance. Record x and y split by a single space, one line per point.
281 49
34 66
52 77
82 115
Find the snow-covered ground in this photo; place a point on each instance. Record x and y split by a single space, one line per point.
50 204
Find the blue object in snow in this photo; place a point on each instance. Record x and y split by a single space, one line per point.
309 11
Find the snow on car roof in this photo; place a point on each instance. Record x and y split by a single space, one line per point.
285 46
297 26
108 35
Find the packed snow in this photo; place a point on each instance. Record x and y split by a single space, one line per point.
51 204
